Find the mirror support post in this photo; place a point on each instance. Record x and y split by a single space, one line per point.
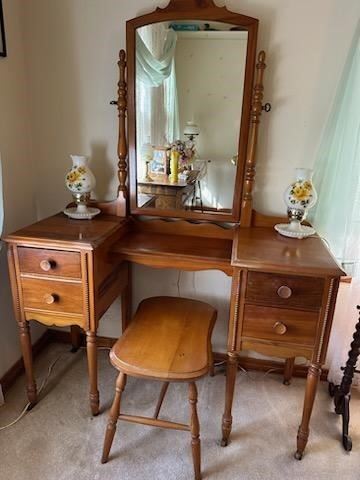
122 197
256 109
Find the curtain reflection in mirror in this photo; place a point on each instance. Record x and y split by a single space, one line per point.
156 93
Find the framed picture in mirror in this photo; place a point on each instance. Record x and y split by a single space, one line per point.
2 33
159 161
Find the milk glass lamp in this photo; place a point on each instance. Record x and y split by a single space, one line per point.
80 181
191 130
299 197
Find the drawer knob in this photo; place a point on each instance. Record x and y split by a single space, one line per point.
279 328
284 291
47 265
50 298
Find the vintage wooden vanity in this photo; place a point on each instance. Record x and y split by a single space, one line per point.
68 272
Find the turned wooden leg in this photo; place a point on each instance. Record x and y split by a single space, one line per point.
163 391
91 348
211 365
288 370
75 333
26 349
312 381
231 370
195 431
126 302
113 417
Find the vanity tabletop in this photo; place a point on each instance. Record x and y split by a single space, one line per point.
176 251
262 248
63 231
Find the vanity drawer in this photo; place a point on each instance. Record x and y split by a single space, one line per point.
284 290
49 262
52 295
280 324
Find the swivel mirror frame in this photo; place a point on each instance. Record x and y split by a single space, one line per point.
204 10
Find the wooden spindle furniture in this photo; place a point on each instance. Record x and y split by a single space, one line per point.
168 340
283 290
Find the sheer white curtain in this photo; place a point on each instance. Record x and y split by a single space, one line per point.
156 92
337 214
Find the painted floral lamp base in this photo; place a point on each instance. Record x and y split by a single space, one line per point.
80 181
299 197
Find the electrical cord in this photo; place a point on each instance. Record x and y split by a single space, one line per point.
42 386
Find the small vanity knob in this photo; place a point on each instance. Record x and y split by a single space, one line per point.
279 328
284 291
50 298
47 265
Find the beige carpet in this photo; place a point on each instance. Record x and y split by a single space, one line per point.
58 439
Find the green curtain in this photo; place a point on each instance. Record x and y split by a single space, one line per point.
150 70
336 216
152 73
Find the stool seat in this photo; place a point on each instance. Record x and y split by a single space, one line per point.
168 339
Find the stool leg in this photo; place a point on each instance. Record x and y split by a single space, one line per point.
211 366
75 333
163 391
195 431
113 417
288 370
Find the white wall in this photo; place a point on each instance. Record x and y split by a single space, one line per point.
72 51
17 163
72 48
210 69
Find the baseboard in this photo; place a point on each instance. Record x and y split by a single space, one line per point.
8 379
60 336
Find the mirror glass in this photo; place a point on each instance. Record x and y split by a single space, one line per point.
189 95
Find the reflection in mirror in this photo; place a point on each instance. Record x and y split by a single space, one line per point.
189 93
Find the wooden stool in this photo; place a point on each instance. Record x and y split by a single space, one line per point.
169 339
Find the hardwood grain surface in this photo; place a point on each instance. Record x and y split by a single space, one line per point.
262 248
49 262
175 251
61 230
52 295
261 323
304 292
167 339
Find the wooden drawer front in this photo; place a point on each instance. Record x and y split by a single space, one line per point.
49 262
52 295
285 291
280 324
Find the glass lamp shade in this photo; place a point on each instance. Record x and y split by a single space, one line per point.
299 197
301 194
191 130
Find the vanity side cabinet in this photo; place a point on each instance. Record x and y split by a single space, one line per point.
62 274
283 315
282 304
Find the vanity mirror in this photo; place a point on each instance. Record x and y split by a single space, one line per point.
189 78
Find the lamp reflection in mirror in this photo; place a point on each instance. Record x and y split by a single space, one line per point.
191 131
147 152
